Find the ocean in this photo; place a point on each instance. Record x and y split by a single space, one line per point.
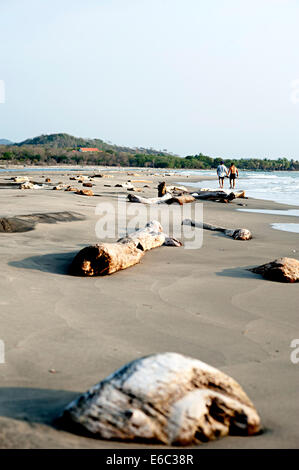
278 186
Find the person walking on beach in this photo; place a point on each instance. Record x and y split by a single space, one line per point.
233 174
221 172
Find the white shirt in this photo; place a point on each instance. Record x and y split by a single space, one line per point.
221 171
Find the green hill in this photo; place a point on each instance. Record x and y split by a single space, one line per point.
66 141
61 148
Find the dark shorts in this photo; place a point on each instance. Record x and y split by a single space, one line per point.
232 176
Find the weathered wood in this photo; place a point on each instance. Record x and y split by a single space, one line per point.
181 199
181 189
107 258
236 234
161 189
151 236
168 398
149 200
221 195
85 192
280 270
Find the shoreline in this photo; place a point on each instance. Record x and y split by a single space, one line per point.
202 302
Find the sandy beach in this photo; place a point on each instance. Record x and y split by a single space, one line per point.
203 303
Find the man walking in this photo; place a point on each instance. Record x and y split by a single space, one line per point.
221 172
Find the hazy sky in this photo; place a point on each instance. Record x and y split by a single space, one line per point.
190 76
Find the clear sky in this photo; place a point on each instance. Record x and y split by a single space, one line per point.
219 77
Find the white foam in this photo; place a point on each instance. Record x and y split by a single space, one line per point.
287 227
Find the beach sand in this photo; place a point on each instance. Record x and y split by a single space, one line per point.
199 302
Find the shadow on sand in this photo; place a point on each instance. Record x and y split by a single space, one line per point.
33 404
57 263
239 272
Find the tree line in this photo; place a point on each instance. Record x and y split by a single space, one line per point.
60 149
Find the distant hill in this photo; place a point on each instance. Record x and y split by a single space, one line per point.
64 149
5 142
66 141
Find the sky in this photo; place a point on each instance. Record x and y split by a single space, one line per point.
219 77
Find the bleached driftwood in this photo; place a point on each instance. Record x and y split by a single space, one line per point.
166 398
20 179
280 270
236 234
146 238
168 198
163 189
107 258
149 200
171 189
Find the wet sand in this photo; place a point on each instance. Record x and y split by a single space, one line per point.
199 302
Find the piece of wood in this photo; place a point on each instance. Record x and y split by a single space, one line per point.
218 195
166 398
181 199
236 234
162 189
107 258
149 200
85 192
279 270
147 238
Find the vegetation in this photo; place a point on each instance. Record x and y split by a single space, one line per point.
64 149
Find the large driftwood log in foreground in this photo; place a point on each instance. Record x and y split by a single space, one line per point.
236 234
107 258
167 398
280 270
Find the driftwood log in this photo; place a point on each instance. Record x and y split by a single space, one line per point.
85 192
149 200
218 195
280 270
168 198
108 258
166 398
236 234
162 189
181 199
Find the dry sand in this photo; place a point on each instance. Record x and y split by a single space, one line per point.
199 302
